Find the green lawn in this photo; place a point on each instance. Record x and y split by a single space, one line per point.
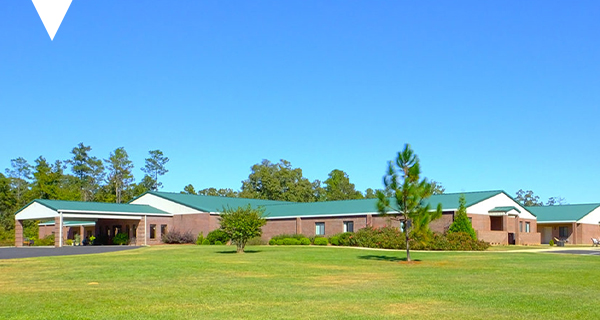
209 282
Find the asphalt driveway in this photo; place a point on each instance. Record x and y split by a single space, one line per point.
575 251
32 252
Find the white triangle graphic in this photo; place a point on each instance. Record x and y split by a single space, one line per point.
52 13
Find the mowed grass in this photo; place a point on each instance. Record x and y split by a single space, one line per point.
211 282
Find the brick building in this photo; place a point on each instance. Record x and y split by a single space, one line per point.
496 217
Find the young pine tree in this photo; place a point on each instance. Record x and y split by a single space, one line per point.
461 221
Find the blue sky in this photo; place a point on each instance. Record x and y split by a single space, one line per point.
490 94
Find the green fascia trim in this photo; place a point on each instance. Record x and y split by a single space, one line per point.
62 205
504 209
569 212
212 203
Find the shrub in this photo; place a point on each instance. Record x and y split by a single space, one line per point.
47 241
305 241
347 239
217 235
272 242
320 241
200 239
334 240
175 236
69 242
461 221
385 238
551 243
121 239
291 242
284 236
242 224
218 243
279 242
256 241
205 242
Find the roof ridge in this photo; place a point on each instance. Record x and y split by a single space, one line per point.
567 205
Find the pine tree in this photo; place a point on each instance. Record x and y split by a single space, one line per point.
461 221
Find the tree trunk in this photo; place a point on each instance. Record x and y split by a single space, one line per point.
240 248
407 227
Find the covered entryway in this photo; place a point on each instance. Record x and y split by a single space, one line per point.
109 219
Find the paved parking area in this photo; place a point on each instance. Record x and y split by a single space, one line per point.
575 251
31 252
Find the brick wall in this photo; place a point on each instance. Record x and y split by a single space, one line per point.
493 237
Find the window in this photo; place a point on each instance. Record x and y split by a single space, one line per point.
527 226
520 226
563 232
134 229
320 228
152 231
348 226
163 229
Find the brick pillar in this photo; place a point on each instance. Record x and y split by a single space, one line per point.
369 220
298 225
505 223
518 230
141 232
57 231
574 235
81 234
18 233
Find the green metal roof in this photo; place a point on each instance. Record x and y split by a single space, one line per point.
212 203
448 201
566 213
504 209
61 205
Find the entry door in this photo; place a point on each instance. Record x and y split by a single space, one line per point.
546 234
511 238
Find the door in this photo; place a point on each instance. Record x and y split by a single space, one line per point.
511 238
546 234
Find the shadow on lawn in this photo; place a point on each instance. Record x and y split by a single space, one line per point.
384 258
234 251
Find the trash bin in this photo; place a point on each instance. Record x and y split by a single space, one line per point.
560 243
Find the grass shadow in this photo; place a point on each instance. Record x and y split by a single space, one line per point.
384 258
234 251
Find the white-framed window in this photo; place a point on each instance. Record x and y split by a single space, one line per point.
320 228
348 226
527 227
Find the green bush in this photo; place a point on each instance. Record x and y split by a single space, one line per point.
321 241
305 241
218 243
217 235
120 239
385 238
346 239
334 240
200 239
291 242
284 236
279 242
272 242
205 242
47 241
551 243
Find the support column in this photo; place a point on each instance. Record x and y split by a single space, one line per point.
298 225
140 237
18 233
518 230
58 232
369 220
574 235
81 234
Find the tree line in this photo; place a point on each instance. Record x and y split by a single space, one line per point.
90 179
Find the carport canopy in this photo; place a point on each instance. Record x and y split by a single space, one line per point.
61 211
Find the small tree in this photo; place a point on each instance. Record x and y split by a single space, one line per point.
242 224
409 195
461 221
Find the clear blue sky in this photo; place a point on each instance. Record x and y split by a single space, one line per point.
490 94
